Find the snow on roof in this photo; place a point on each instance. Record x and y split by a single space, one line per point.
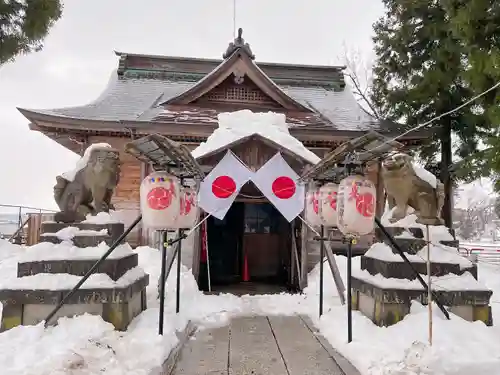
82 163
234 126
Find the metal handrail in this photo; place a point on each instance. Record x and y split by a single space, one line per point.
21 212
27 207
20 229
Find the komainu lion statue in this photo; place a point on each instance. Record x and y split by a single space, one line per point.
408 186
90 190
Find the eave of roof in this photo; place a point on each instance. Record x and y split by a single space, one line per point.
305 134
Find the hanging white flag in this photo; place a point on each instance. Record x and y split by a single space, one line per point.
278 182
219 188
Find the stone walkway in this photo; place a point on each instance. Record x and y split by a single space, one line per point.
260 345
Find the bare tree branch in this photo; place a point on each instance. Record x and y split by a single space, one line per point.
356 68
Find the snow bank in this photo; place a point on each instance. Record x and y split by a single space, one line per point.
234 126
84 160
459 347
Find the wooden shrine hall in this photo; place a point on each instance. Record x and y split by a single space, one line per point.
180 98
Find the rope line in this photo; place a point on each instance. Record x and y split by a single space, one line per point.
437 117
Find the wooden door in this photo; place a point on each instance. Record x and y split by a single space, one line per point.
263 243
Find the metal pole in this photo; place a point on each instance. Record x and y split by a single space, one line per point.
429 290
163 249
349 298
19 221
92 270
178 289
321 256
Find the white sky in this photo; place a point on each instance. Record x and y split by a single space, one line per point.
78 58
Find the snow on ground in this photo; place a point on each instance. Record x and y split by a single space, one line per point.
87 345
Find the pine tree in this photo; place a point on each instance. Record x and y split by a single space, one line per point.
418 76
24 24
476 24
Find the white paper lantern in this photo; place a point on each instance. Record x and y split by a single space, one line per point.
189 212
356 204
312 208
160 201
328 204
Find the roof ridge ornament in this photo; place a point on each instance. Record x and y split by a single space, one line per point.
239 43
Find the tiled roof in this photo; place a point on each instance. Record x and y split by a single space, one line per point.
129 99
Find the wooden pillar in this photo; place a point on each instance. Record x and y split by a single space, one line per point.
374 173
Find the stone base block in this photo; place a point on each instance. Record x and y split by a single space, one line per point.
411 245
87 240
114 267
401 270
115 230
117 306
389 306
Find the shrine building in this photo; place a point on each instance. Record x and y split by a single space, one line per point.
180 98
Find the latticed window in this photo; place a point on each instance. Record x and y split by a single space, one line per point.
245 92
237 94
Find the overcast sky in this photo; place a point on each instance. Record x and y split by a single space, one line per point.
78 59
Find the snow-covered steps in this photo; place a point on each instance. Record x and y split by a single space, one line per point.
114 267
81 234
385 286
47 272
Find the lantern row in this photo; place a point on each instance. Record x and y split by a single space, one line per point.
349 206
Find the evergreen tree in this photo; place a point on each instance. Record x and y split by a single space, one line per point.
418 76
476 23
24 24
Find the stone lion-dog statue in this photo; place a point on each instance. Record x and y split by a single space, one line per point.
92 187
406 185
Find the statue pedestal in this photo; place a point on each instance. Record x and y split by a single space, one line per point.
117 290
386 285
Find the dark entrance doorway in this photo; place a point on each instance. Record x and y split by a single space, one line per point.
248 249
224 246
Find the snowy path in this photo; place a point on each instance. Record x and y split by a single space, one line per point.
259 345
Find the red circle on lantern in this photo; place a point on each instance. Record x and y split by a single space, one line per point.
283 187
223 187
159 198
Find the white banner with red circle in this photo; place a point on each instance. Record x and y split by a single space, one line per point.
278 182
219 188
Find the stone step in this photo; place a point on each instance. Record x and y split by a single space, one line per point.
401 270
411 245
118 305
81 240
113 267
49 229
